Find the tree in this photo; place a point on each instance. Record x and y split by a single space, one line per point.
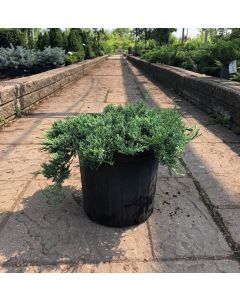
12 36
206 36
149 38
75 43
98 35
119 39
25 37
142 33
31 41
39 41
108 44
87 43
43 40
30 37
160 35
55 37
217 33
65 39
183 30
235 33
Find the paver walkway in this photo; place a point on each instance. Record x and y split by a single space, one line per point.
196 221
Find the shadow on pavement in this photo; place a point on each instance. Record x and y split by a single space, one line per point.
38 234
40 117
213 190
130 80
194 114
183 224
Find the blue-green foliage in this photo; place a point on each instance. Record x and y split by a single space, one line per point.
20 57
53 57
128 130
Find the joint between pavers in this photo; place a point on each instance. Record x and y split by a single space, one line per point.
136 81
228 207
12 263
150 239
218 219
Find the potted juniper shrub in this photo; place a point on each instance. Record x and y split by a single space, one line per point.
119 151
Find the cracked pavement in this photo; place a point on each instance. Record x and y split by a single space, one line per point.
195 225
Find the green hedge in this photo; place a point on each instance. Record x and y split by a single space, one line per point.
208 59
73 57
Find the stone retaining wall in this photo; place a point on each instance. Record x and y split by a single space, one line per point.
211 94
20 94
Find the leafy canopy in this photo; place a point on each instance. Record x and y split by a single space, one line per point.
129 130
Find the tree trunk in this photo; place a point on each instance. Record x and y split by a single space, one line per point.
206 36
183 36
169 35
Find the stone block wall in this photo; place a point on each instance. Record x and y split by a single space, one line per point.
211 94
22 93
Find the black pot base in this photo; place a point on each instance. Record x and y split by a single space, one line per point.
111 221
121 195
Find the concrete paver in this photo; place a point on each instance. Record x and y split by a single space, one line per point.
223 190
181 235
211 158
231 218
21 161
9 193
181 225
37 233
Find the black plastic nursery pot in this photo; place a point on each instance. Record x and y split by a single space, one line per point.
121 195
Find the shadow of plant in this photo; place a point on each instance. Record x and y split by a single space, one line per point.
39 234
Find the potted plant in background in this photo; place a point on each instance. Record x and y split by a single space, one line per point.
119 151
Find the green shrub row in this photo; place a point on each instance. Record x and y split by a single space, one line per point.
208 59
74 57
